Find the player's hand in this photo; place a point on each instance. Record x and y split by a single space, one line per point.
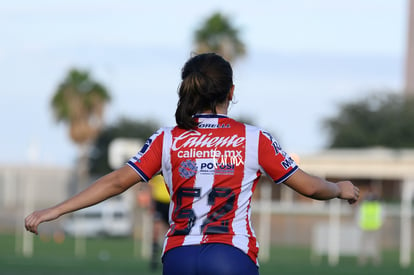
348 192
33 220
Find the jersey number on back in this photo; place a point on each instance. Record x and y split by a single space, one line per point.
209 225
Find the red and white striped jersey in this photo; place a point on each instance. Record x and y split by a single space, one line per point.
211 173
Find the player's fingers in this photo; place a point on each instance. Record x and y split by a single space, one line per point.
356 192
31 224
27 222
355 195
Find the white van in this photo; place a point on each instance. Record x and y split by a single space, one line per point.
112 217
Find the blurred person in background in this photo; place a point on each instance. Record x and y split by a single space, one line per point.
211 164
370 220
159 208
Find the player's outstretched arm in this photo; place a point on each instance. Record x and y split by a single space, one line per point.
107 186
320 189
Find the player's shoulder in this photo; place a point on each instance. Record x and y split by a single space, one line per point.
249 128
165 129
237 123
254 128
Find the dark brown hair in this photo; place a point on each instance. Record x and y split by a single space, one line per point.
206 81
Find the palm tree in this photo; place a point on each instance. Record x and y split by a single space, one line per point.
79 101
218 35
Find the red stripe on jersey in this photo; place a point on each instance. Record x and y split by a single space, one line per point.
184 193
149 154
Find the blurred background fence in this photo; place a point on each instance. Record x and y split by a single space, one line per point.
280 216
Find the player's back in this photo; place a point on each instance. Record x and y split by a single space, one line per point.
210 183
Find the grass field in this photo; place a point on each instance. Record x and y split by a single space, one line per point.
115 256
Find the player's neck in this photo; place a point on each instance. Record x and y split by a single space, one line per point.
220 109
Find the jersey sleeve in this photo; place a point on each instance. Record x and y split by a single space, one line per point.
147 162
273 160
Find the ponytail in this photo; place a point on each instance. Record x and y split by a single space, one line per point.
188 103
206 82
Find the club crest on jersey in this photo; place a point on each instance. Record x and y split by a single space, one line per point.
187 169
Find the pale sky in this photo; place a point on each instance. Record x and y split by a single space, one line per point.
304 58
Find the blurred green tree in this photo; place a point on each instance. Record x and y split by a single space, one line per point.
124 128
381 119
79 102
217 34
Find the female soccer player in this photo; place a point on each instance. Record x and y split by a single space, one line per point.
211 165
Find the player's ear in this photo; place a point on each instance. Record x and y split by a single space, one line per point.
231 93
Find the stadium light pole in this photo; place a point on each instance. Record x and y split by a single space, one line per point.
407 190
409 58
